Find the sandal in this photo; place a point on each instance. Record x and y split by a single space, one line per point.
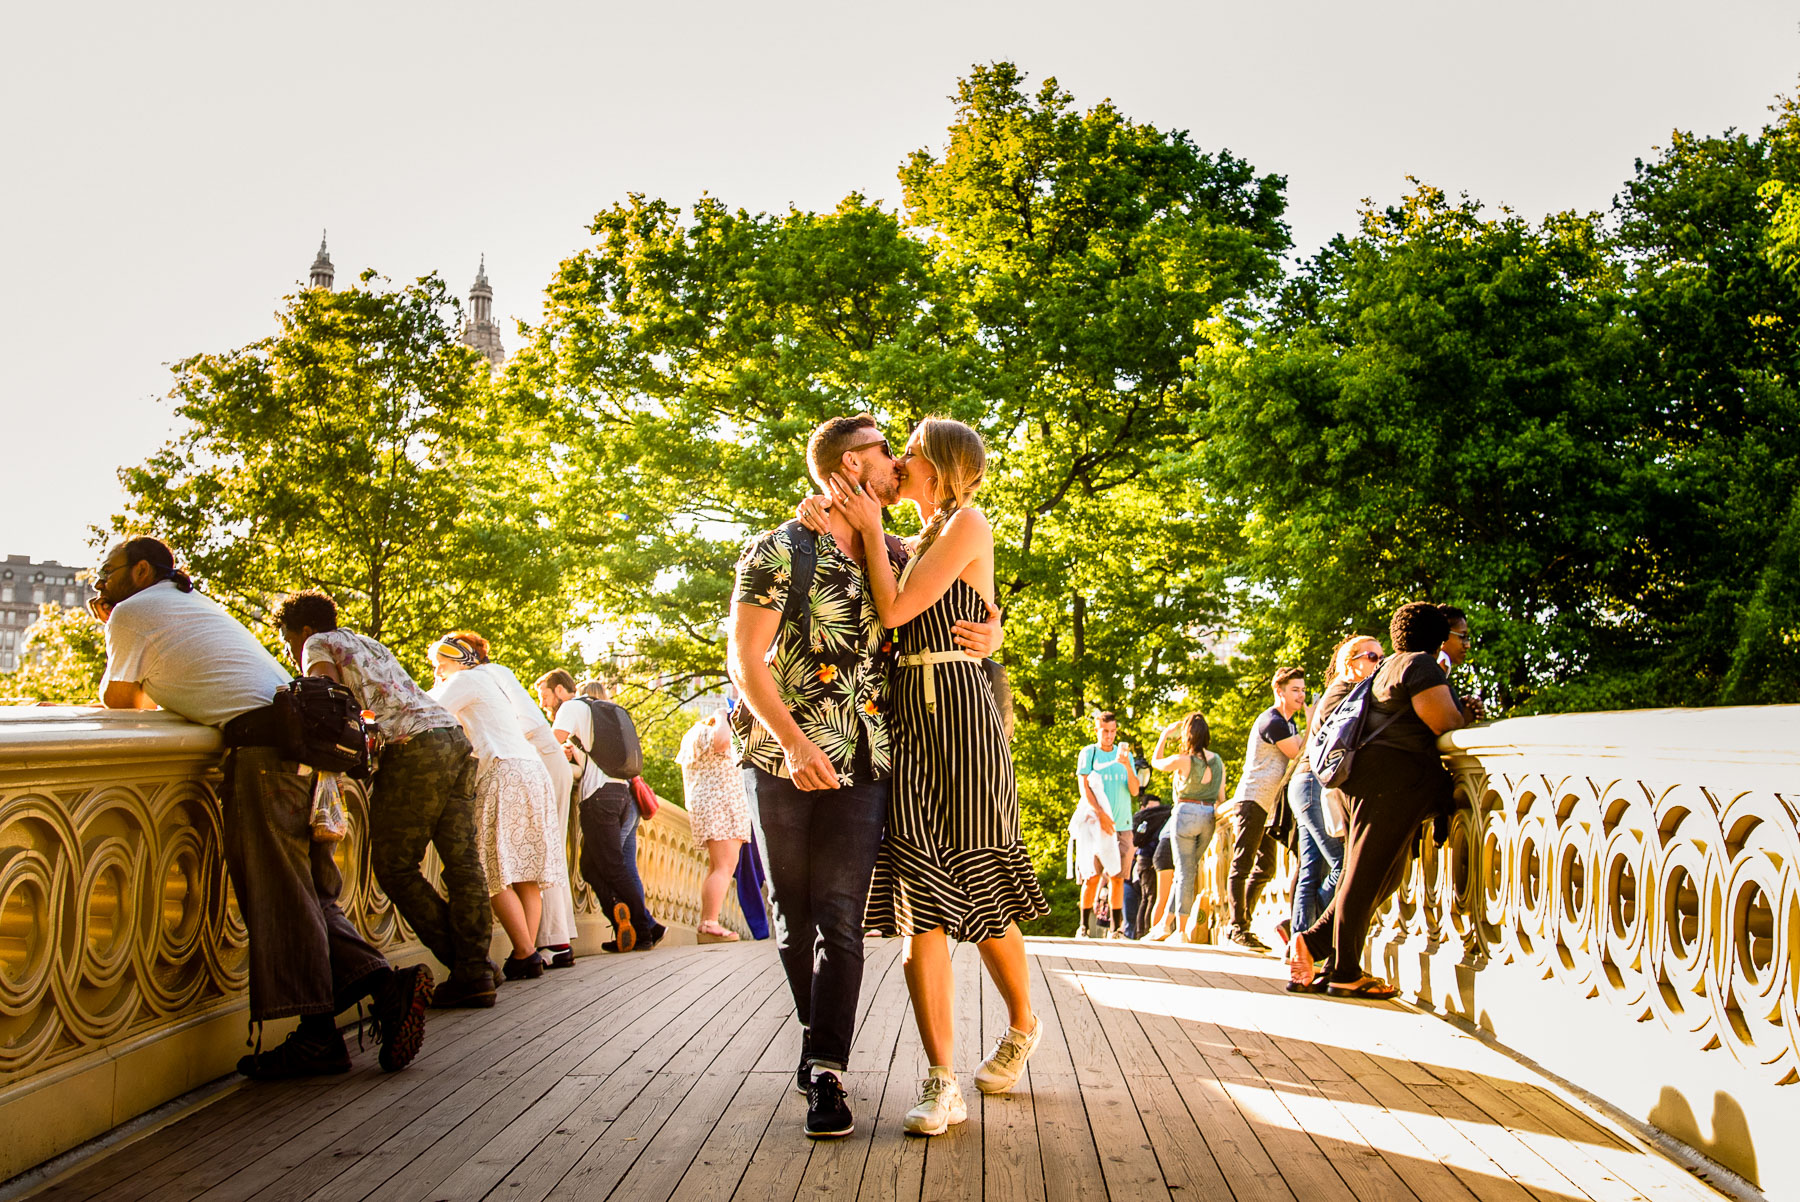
717 935
1372 989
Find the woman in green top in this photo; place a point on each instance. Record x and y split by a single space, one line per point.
1199 778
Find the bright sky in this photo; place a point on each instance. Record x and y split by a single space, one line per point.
172 165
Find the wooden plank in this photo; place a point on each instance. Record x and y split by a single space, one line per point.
1013 1163
953 1161
1192 1053
1571 1145
603 1053
458 1045
1342 1133
354 1150
663 1160
838 1167
894 1168
1066 1143
718 1166
663 1163
1128 1166
1539 1177
774 1169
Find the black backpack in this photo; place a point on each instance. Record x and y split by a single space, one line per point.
321 725
616 750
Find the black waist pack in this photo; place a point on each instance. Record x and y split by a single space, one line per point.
320 723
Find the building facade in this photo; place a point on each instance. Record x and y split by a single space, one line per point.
25 585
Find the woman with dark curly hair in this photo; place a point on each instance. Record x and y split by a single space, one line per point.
1397 782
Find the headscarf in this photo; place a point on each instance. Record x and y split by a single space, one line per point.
451 647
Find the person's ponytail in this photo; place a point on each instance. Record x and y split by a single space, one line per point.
156 553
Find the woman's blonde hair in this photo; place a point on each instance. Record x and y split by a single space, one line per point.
957 455
1340 659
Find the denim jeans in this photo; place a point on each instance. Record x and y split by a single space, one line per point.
608 825
1321 854
821 847
1193 823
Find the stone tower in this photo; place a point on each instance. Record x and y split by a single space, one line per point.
322 274
481 331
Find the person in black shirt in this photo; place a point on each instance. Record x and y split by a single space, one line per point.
1140 883
1397 782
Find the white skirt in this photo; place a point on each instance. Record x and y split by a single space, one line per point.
518 824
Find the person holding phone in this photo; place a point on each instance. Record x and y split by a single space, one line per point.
1107 780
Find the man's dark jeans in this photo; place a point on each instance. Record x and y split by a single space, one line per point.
821 847
424 792
613 877
1252 861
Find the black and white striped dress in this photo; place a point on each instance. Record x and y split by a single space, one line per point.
952 856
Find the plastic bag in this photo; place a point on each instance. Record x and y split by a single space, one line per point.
330 822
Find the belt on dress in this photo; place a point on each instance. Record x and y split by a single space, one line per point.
925 659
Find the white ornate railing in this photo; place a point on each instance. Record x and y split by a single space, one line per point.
1619 899
122 967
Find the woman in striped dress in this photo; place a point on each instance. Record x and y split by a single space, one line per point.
952 864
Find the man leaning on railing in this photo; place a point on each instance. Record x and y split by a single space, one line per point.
169 646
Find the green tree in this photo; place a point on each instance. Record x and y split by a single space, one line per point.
1043 285
361 450
1434 409
61 660
1709 228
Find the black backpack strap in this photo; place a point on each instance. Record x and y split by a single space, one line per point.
803 559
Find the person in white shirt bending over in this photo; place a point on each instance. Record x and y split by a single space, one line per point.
513 795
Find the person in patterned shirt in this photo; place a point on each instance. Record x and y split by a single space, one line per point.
814 730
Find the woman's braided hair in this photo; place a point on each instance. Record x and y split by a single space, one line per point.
959 459
1420 626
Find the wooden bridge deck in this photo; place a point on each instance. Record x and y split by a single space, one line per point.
1178 1073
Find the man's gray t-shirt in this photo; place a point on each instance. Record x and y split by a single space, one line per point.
1264 765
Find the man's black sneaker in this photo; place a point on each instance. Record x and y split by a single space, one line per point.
400 1016
298 1056
803 1078
827 1110
459 994
1244 939
653 937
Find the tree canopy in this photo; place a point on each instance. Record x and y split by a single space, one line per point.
1206 460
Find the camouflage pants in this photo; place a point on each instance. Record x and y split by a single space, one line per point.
424 792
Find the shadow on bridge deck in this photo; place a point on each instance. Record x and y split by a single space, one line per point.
1164 1073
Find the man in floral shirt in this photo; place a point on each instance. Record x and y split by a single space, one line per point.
814 729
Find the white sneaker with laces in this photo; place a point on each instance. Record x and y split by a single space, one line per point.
1000 1072
940 1107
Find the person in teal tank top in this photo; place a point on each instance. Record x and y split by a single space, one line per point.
1108 782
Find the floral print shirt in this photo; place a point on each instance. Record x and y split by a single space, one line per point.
834 683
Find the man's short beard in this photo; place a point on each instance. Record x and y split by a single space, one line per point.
892 494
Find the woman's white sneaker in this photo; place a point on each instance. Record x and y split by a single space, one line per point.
940 1106
1000 1072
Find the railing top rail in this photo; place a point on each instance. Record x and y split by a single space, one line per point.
43 736
1748 736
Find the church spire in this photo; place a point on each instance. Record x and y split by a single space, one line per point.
322 273
481 331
